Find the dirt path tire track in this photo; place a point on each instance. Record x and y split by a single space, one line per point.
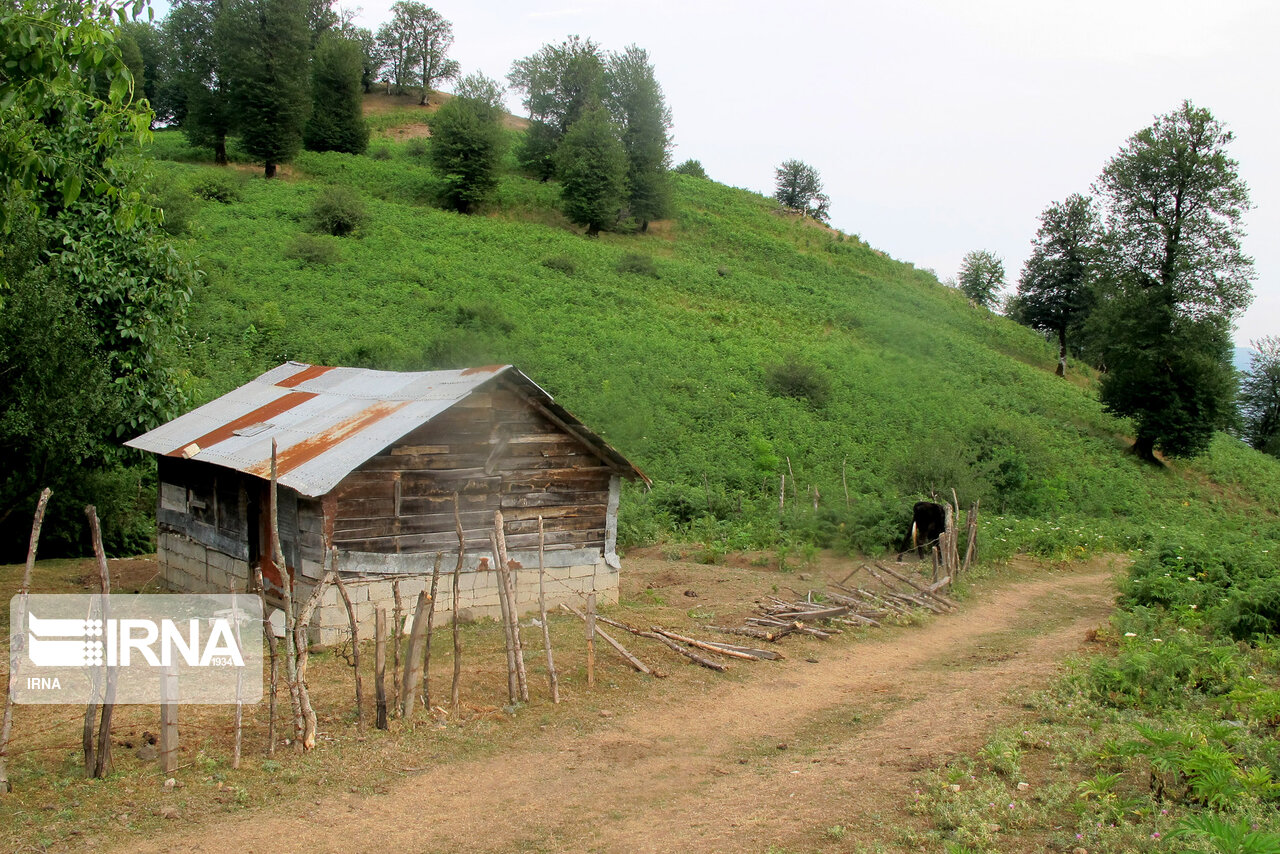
705 773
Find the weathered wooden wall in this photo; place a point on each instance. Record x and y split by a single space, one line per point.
497 451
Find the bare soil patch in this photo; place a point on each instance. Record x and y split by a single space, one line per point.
766 756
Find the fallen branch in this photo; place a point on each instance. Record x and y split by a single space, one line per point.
636 663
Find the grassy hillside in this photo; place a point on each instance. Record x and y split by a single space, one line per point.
717 350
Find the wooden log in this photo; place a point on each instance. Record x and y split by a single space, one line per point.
431 619
508 586
813 614
413 655
747 631
457 641
924 589
769 654
380 667
553 681
591 639
23 592
635 663
794 626
102 765
355 648
687 653
709 647
509 646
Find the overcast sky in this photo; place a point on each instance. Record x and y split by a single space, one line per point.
938 127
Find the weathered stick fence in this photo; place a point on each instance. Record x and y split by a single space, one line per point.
15 647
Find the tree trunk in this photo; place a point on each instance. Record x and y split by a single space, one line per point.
644 226
593 230
1062 353
220 151
1144 448
269 170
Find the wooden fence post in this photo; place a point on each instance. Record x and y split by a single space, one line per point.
513 616
355 648
413 657
591 639
14 648
431 619
380 667
169 719
542 610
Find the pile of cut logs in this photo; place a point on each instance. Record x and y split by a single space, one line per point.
844 603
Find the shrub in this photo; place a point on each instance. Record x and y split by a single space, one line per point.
561 263
338 211
641 265
313 250
175 199
382 152
416 147
691 167
220 186
800 381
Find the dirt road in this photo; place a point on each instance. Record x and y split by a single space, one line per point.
767 762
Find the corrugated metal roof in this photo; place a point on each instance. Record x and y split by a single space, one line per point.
328 421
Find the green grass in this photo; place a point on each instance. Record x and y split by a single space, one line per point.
691 368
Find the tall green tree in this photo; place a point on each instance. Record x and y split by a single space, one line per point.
1056 288
981 277
267 59
337 120
150 41
199 97
559 82
640 110
467 142
425 37
93 298
397 59
592 167
1260 396
371 59
1178 277
797 185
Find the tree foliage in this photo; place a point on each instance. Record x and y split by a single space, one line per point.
796 184
640 110
337 121
266 50
467 143
692 168
1260 396
416 42
1177 277
981 277
558 83
592 167
196 76
94 298
1056 288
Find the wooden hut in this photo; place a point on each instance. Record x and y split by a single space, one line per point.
369 463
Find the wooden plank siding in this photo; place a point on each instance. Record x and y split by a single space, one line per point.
498 453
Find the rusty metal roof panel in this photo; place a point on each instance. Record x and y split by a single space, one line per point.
326 421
